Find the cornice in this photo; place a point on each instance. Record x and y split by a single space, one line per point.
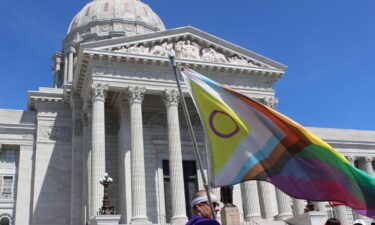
106 65
28 128
185 33
39 100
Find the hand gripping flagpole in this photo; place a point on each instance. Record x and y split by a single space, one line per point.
176 70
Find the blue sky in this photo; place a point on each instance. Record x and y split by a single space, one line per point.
328 46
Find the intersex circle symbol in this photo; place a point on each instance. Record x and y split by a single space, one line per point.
212 126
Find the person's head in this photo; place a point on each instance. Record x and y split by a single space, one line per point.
332 221
359 222
200 204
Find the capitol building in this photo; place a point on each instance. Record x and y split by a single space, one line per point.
114 108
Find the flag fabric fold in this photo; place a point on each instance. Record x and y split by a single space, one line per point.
250 141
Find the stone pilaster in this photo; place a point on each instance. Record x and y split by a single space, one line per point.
98 146
139 207
283 205
23 206
76 173
85 181
250 199
171 98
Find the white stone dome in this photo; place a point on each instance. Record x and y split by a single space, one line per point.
103 19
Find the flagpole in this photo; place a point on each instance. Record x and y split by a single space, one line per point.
172 58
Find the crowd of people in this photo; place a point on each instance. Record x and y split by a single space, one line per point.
202 214
334 221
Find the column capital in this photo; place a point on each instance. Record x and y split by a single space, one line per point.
99 92
135 94
170 97
72 49
351 159
270 102
367 159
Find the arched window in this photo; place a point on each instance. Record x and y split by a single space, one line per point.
4 221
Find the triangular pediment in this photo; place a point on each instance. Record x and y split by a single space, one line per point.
190 44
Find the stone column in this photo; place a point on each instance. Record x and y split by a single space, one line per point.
250 199
341 214
283 205
367 165
170 99
139 207
265 190
66 63
351 160
23 206
124 178
298 206
56 72
71 64
98 146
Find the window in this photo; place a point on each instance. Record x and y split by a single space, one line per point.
8 171
190 184
8 158
7 187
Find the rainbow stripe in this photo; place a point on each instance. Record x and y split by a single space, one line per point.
250 141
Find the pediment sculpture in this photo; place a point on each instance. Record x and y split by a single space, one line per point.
186 49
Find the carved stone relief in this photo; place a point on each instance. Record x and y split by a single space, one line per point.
211 55
187 49
54 133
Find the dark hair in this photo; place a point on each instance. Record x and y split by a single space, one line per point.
333 221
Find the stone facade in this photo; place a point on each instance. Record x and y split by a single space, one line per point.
114 108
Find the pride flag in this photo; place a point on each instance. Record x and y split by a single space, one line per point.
250 141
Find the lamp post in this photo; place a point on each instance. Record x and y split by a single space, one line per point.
106 209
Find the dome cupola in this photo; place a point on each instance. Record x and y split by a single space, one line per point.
104 19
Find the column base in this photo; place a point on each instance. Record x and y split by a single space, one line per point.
230 216
179 220
105 220
283 216
140 221
309 218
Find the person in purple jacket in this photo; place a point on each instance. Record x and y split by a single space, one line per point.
201 209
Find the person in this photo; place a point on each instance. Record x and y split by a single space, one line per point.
359 222
202 214
332 221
